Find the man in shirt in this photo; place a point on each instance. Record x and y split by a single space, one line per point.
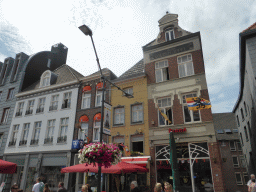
61 187
39 186
250 181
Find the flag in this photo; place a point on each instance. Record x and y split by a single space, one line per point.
164 115
197 103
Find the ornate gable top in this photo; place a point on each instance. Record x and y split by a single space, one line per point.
168 18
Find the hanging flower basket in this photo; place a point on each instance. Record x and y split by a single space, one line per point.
101 153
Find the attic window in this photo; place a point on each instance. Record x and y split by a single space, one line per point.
228 131
45 79
169 35
220 131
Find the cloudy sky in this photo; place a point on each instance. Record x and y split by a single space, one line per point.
122 27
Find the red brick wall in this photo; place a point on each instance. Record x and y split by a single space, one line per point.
177 111
173 68
198 61
150 71
206 114
152 113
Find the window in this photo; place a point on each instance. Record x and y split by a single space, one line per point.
24 136
246 178
36 134
54 103
30 107
232 145
228 131
83 132
161 71
164 105
246 134
41 103
242 113
169 35
243 161
10 94
239 179
189 115
19 109
220 131
5 115
86 100
50 131
249 128
96 131
223 143
15 68
119 116
245 109
63 130
235 161
45 79
237 118
185 65
241 139
14 135
137 113
129 90
66 100
98 98
137 143
239 146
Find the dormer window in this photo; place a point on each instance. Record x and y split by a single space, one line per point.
169 35
45 79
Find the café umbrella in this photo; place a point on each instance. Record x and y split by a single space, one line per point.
7 167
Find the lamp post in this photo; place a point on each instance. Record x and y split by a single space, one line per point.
87 31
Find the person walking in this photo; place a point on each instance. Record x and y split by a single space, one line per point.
84 188
39 186
250 181
46 188
158 187
134 186
168 187
252 187
61 187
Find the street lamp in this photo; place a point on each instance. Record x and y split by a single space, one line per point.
87 31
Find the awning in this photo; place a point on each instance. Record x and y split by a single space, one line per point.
141 161
97 117
7 167
87 88
84 118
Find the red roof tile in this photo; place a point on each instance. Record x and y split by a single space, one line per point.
253 26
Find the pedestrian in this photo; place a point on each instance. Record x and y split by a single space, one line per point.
61 187
84 188
158 187
134 186
168 187
46 188
252 187
89 187
14 188
39 186
249 182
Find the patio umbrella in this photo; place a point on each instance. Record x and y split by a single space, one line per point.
7 167
113 169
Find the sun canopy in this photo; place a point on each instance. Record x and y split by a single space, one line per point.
7 167
114 169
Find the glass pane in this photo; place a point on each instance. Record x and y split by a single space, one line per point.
196 115
134 117
172 35
164 71
167 36
190 70
184 58
181 71
161 118
179 59
140 116
159 75
187 114
238 178
164 102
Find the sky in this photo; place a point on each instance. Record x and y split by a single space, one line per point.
120 29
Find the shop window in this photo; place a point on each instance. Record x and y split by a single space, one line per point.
63 130
242 113
245 109
66 100
239 146
86 100
36 134
30 107
119 116
169 34
235 161
24 136
243 161
164 105
41 104
50 131
14 134
185 65
54 103
5 115
137 143
19 109
237 119
239 179
10 94
246 133
45 79
246 178
161 70
137 113
190 116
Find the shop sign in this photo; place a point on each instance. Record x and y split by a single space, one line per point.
178 130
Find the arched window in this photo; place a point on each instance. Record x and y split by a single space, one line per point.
83 132
45 79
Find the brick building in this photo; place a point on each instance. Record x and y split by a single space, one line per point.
234 163
174 66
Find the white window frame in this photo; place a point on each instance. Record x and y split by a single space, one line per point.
235 165
45 79
83 131
86 100
238 173
30 106
191 112
98 98
160 68
96 126
10 94
68 96
232 148
41 104
54 101
5 115
64 127
15 131
185 64
37 129
137 114
20 107
50 128
170 33
164 109
24 136
119 116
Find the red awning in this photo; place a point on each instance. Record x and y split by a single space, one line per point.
97 117
87 88
7 167
84 118
141 161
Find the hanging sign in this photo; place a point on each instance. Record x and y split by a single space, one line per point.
178 130
107 117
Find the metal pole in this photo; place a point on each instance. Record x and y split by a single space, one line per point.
191 169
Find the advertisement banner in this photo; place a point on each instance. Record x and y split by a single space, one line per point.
107 117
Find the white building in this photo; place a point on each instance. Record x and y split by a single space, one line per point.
41 131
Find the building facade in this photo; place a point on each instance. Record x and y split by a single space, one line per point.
244 108
174 66
234 163
42 127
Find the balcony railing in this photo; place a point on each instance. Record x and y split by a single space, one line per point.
12 143
39 110
53 107
19 113
28 112
62 139
65 105
24 142
34 142
48 140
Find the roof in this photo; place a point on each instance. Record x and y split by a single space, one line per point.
65 74
224 121
253 26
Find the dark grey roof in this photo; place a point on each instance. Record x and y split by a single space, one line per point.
112 75
136 70
65 74
224 121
